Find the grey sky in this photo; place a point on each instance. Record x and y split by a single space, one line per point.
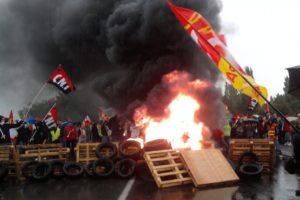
263 34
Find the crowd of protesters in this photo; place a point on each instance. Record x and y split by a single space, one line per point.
265 126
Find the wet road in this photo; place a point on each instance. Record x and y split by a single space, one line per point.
280 186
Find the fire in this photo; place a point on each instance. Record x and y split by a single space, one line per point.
179 127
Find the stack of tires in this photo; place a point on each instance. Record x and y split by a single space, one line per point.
42 170
111 160
123 162
250 168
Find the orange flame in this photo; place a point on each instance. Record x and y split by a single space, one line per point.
179 128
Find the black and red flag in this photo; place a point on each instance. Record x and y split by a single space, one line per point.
61 80
51 117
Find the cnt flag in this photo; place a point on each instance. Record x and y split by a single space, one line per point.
86 122
61 80
51 117
206 38
11 117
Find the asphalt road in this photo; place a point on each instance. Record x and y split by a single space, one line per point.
280 186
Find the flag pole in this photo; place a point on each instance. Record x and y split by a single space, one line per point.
35 98
49 111
269 103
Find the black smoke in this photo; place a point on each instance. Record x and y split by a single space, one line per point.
115 50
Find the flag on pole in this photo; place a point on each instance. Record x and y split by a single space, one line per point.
252 103
86 122
11 117
51 117
103 115
206 38
61 80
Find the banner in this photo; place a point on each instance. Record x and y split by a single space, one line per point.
206 38
51 117
61 80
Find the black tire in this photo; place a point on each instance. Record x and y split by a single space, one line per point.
250 171
125 168
103 167
107 150
57 169
89 169
130 149
73 169
3 171
291 166
27 169
143 171
42 171
159 144
250 155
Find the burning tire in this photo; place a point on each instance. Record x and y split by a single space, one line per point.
103 168
131 149
3 171
41 171
250 170
89 169
143 171
57 169
159 144
27 169
73 169
108 150
125 168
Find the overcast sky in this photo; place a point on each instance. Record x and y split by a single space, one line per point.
263 34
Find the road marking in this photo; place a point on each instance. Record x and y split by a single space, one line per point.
126 190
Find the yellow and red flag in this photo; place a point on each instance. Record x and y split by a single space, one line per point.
206 38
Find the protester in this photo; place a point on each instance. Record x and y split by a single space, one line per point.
96 131
227 135
23 134
55 135
4 130
70 137
82 135
39 134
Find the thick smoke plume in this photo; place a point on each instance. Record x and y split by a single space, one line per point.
115 51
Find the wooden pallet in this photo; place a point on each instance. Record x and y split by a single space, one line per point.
85 152
5 153
208 167
263 148
167 168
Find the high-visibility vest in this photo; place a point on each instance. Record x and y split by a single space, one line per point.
227 130
55 134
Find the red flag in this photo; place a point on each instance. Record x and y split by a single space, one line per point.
207 39
11 117
267 108
86 122
51 117
61 80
